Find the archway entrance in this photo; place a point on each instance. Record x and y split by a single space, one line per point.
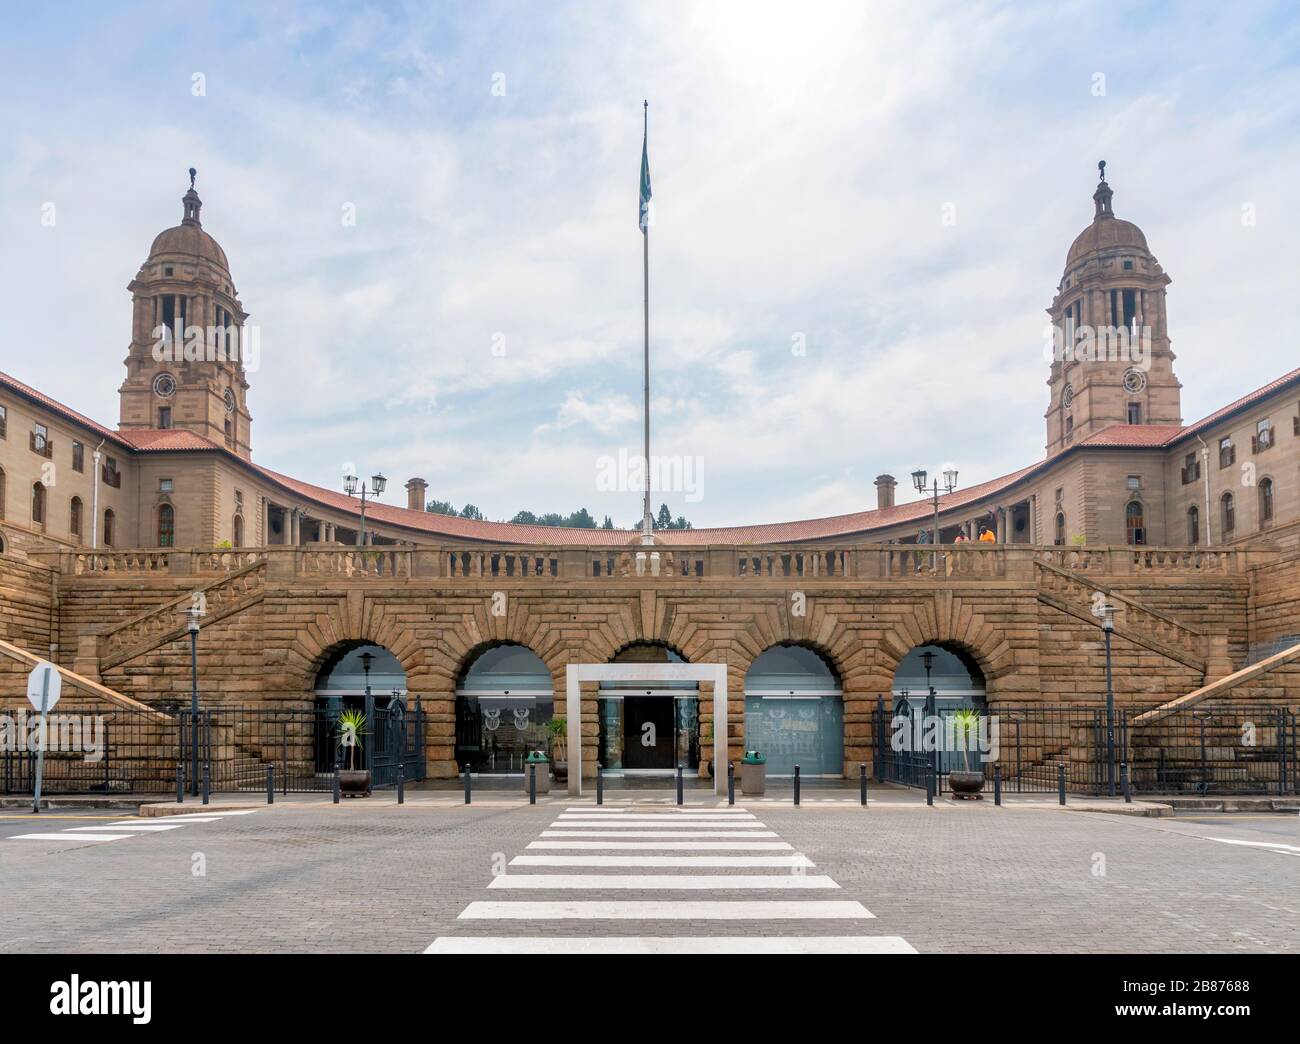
648 728
504 702
366 677
794 712
931 683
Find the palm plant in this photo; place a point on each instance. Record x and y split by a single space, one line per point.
965 723
351 727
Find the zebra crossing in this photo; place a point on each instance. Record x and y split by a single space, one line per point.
120 830
671 859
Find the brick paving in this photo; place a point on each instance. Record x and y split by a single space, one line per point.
373 877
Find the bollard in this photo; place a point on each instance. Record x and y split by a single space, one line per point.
796 786
532 784
180 783
336 784
862 784
1060 782
929 785
679 784
207 781
997 785
401 783
467 784
1124 782
600 785
731 783
270 784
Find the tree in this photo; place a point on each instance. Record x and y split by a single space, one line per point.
524 518
441 507
665 519
581 519
470 511
608 523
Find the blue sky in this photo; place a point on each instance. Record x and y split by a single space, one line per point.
802 156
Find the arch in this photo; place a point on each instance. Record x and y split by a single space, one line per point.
937 679
648 727
237 531
38 503
1060 527
1135 530
74 517
360 676
1193 526
794 710
2 543
166 526
1265 502
109 519
1228 514
505 702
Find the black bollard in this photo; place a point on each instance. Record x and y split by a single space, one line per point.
207 781
1060 782
862 784
337 788
532 784
997 785
796 785
270 784
600 785
401 783
180 783
1125 782
467 784
679 784
731 783
929 785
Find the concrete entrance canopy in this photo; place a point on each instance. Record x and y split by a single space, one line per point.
576 673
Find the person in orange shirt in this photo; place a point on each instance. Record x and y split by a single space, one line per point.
987 537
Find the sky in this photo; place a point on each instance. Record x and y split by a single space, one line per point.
861 212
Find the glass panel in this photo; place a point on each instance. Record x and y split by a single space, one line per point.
688 731
804 732
494 733
611 734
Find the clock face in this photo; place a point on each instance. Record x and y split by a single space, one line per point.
1067 396
1134 381
230 401
164 385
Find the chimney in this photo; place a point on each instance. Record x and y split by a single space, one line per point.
885 486
415 490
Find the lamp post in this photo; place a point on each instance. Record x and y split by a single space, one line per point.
377 484
192 625
931 713
919 477
1107 613
366 660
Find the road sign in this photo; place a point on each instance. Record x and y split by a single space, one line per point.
44 686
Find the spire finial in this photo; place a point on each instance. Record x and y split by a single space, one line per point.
1103 194
191 202
1101 170
194 174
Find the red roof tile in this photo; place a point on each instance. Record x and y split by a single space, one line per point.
66 412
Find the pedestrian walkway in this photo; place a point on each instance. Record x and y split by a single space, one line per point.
121 829
707 866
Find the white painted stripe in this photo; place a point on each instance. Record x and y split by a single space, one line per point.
661 860
675 824
180 820
844 944
140 828
663 882
642 846
670 910
68 837
660 833
1276 846
685 810
655 817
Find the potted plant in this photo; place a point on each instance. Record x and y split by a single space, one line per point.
969 782
353 782
558 727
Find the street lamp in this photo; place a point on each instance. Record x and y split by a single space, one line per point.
1107 613
192 625
919 477
377 484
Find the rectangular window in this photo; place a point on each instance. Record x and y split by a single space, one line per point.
1135 482
1263 437
1135 413
4 422
1114 308
110 474
1130 307
164 485
78 457
1191 468
1227 453
40 440
164 416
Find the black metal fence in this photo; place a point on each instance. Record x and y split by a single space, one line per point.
1225 749
93 751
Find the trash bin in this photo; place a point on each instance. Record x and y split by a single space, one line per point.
753 773
543 771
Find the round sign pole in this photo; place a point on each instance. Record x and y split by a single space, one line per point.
44 686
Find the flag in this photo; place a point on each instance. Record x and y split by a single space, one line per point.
645 182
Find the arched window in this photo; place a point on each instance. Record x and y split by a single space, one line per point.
166 526
794 712
1265 501
237 531
1229 511
2 492
74 517
1060 527
504 700
108 527
1193 526
1135 531
38 504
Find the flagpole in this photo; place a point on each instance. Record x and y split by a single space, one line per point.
647 524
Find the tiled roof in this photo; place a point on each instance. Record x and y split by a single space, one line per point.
158 440
1259 393
1134 436
58 408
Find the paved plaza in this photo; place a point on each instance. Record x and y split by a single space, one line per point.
641 875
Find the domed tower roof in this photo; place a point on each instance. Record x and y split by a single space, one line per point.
188 239
1107 232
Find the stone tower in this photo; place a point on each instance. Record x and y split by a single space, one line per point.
185 367
1111 360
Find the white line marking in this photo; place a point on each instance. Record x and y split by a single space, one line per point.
655 821
663 882
180 820
694 810
142 828
1275 845
660 833
68 837
653 818
638 944
661 860
670 910
641 846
